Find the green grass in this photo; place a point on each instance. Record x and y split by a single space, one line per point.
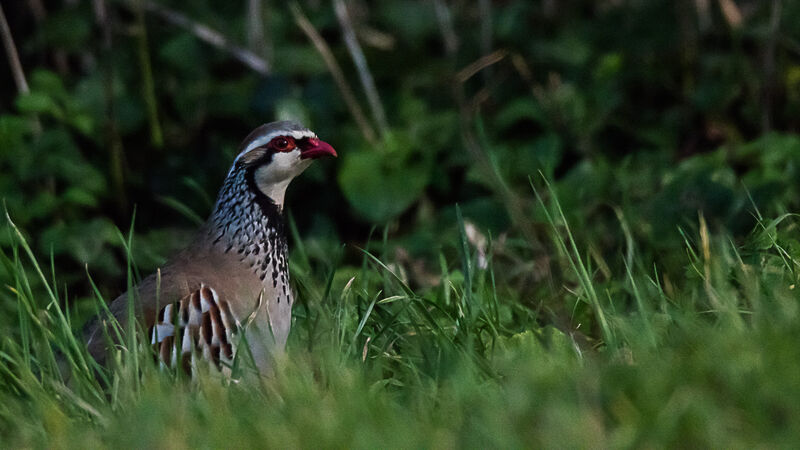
703 356
648 304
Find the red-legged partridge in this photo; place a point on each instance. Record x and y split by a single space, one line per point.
232 281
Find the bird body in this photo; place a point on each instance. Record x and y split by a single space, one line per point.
232 281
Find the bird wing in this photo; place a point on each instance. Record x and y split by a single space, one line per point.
201 325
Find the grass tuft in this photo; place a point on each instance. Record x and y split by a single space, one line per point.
705 357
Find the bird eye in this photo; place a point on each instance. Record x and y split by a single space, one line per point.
283 144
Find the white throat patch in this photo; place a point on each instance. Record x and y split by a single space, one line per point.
272 179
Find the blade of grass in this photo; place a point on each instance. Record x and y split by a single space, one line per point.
574 258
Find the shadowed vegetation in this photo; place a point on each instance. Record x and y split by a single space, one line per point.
552 224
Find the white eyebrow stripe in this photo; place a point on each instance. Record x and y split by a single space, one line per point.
261 140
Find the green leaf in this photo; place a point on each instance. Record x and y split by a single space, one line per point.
12 132
80 196
518 110
82 123
377 191
47 81
37 102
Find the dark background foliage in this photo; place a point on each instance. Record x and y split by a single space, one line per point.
643 114
578 219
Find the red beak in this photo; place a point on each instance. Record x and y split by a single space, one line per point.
314 148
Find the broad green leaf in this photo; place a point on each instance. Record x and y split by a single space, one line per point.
37 102
379 192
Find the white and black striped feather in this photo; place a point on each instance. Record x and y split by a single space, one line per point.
200 326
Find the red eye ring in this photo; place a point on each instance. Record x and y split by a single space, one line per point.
282 144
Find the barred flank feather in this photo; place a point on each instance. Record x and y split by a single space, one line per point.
206 328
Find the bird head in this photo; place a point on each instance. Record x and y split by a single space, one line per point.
274 153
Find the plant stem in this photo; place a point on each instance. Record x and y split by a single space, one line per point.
210 36
336 71
15 64
148 86
356 53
